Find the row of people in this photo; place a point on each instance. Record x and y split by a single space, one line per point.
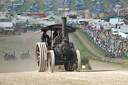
108 43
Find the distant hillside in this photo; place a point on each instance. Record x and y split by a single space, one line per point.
25 6
40 4
72 6
124 3
88 2
56 4
4 6
1 1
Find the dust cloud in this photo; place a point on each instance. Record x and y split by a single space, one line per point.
19 43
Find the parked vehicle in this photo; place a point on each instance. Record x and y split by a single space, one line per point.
9 56
25 55
115 32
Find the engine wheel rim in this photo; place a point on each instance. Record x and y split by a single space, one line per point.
38 57
51 61
78 61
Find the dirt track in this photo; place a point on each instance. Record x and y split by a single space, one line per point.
66 78
23 72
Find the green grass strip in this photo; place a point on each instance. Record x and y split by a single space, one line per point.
117 64
56 5
19 2
72 5
1 55
99 49
5 6
106 4
84 48
126 1
88 4
25 6
40 4
84 58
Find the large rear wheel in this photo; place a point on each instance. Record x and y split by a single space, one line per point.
39 57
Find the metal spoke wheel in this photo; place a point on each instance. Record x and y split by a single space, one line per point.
51 61
78 61
39 57
44 57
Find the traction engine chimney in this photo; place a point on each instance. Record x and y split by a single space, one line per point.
63 27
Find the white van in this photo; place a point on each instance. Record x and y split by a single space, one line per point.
114 31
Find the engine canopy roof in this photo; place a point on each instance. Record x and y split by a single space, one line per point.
54 27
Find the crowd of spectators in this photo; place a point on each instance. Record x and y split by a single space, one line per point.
65 3
4 2
97 5
80 5
13 7
114 5
34 7
113 46
49 4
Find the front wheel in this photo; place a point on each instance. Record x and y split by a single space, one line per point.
78 60
51 61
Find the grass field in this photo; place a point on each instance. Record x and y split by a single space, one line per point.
5 6
72 6
124 3
81 47
9 45
25 6
19 2
56 5
106 4
99 49
40 4
84 48
88 4
18 43
1 1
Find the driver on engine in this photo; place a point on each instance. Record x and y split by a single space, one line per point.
55 34
44 37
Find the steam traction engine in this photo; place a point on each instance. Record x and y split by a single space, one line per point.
58 50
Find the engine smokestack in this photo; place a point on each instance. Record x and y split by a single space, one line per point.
63 27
